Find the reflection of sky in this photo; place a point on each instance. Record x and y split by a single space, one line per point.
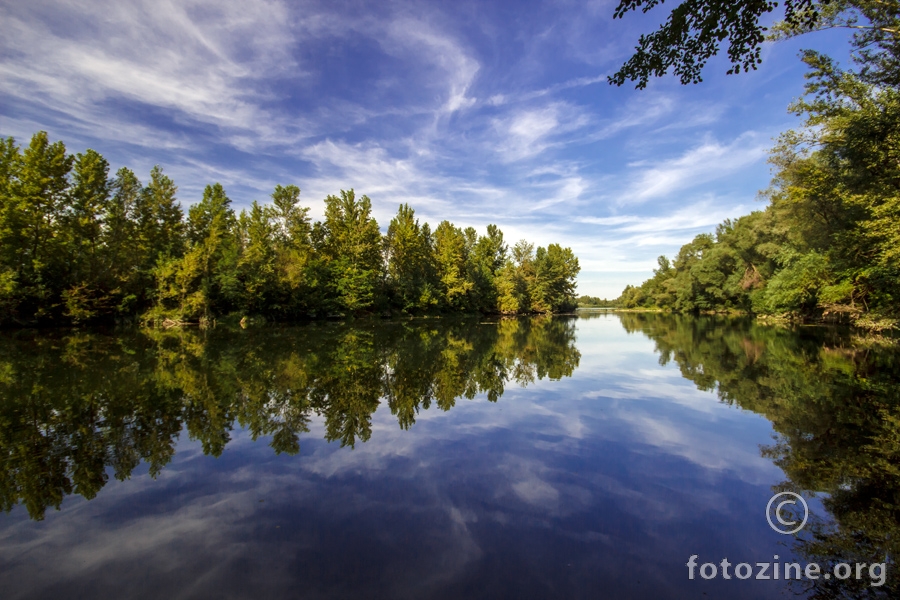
602 484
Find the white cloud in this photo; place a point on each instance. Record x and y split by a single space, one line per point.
705 214
526 133
153 54
707 162
459 68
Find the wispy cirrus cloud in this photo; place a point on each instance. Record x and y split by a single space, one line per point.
700 215
709 161
159 56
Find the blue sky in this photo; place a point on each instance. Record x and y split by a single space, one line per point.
477 112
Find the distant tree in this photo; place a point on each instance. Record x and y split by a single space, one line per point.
90 194
204 281
256 265
160 225
516 279
596 302
10 167
826 246
486 258
213 214
78 246
122 260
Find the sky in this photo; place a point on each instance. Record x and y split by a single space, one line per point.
476 112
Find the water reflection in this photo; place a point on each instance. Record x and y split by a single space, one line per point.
644 449
78 406
834 404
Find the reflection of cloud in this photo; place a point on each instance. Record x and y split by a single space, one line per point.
212 530
530 488
538 493
74 548
589 463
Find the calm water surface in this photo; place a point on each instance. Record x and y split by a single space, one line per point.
580 457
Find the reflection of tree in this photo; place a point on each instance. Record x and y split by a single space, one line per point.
346 386
75 407
837 413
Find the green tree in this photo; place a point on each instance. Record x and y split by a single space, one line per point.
159 219
837 185
826 246
352 251
257 265
203 283
486 258
294 255
515 280
694 31
86 295
556 269
451 258
410 269
33 216
10 167
121 259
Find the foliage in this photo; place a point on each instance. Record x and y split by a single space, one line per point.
595 302
77 246
827 244
696 29
410 262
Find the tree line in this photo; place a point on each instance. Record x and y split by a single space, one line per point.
80 406
585 301
77 245
828 243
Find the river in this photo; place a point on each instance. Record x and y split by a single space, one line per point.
563 457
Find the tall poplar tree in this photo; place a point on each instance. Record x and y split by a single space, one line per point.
10 166
410 268
294 256
121 257
451 257
33 218
352 248
86 295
